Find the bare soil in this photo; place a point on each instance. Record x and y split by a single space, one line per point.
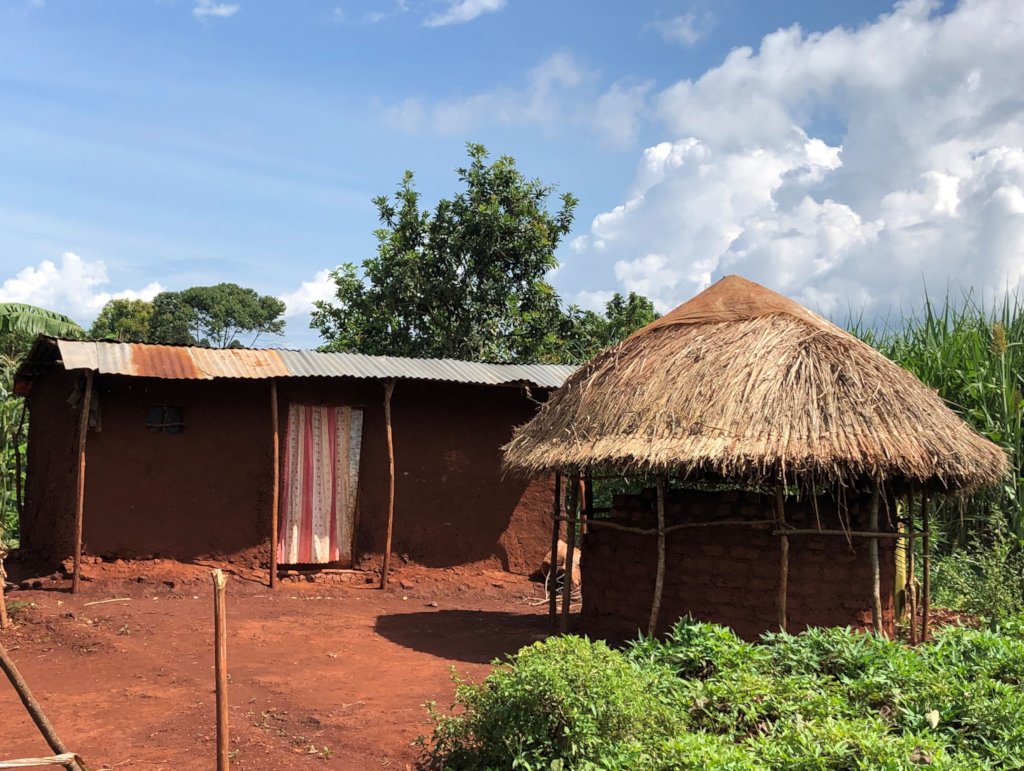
328 673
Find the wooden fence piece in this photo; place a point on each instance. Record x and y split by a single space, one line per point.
555 523
275 484
659 577
389 389
876 582
783 590
572 504
911 588
926 559
83 431
220 658
34 710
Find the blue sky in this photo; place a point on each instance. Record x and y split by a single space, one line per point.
150 144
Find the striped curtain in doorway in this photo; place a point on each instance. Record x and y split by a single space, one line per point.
321 476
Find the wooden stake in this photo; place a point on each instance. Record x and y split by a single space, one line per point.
32 706
220 644
588 501
83 430
555 526
389 389
659 576
275 485
876 580
911 583
781 600
4 620
572 504
926 558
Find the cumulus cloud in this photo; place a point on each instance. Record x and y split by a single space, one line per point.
205 9
559 94
300 301
461 11
848 168
74 288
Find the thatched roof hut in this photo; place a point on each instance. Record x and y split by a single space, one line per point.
743 384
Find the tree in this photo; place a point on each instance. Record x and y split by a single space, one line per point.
126 321
23 319
214 316
586 332
464 281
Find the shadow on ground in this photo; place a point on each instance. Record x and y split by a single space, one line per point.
473 636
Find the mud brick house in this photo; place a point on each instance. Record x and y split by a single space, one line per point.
179 449
777 446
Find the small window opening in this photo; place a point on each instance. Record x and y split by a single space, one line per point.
164 418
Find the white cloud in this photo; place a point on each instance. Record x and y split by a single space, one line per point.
74 288
593 301
300 301
461 11
559 94
848 168
205 9
686 29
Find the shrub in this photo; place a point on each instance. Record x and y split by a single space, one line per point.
565 700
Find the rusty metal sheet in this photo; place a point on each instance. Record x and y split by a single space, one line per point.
239 362
180 362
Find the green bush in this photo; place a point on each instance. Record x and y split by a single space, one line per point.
704 699
566 700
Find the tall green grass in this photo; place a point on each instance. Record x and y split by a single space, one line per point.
973 355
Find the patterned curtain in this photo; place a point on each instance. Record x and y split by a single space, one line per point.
321 476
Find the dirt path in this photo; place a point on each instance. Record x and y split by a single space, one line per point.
322 676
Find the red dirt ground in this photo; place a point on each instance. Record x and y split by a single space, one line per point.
324 674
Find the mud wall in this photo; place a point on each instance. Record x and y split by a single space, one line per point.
729 575
206 491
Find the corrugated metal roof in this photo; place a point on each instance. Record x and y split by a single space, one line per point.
318 364
181 362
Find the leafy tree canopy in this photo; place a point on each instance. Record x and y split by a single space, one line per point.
464 281
126 321
217 316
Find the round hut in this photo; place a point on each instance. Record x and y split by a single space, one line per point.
759 424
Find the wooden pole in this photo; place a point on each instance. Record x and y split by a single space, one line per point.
588 501
220 644
659 577
389 389
911 582
926 561
83 430
276 484
4 620
572 504
781 600
876 580
555 526
32 706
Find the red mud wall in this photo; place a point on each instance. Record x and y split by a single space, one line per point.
729 575
207 491
453 505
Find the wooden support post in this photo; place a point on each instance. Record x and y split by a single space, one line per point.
659 576
389 389
588 501
926 558
83 430
276 484
876 580
32 706
4 621
220 644
911 583
783 591
555 527
572 510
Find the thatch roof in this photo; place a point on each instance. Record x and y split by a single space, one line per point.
744 385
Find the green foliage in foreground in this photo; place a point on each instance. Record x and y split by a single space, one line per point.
704 699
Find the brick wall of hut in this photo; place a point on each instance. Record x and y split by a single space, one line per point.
730 575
